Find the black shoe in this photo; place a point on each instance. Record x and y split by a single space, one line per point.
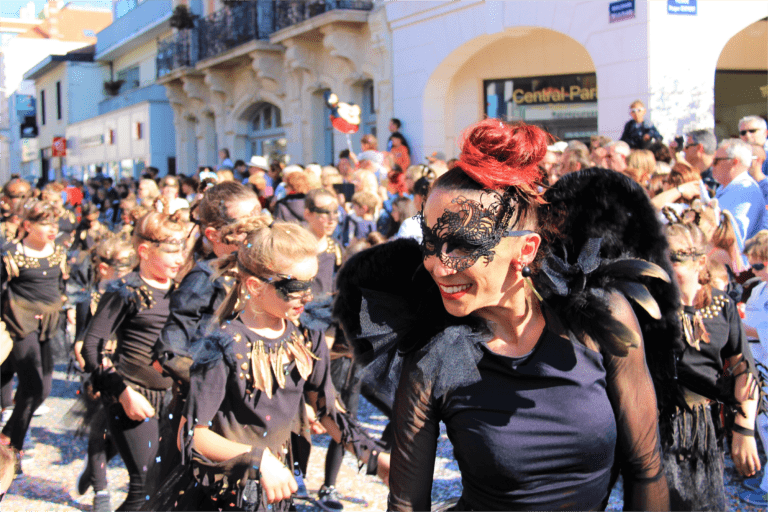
101 502
329 498
84 479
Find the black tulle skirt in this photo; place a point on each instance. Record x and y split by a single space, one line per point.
694 458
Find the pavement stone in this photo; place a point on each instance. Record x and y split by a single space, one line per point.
54 458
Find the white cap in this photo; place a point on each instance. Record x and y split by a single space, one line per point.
259 162
558 147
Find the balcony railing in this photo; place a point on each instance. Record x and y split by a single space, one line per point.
152 92
175 52
239 23
231 27
291 12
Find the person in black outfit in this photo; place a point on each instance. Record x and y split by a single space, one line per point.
692 434
135 309
32 275
199 294
508 322
291 207
113 258
638 132
249 377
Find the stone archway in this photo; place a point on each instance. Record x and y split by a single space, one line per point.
454 94
741 79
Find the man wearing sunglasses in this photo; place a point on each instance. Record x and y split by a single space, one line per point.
700 146
739 193
754 130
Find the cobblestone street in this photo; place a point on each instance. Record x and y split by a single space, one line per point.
54 458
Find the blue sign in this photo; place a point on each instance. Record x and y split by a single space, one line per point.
25 105
620 11
687 7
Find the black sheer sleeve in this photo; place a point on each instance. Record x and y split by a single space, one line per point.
632 396
416 426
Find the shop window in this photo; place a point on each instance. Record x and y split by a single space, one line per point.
130 78
266 134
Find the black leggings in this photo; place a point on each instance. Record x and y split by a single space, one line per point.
6 384
33 363
101 449
137 442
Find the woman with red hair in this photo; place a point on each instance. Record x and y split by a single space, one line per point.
541 409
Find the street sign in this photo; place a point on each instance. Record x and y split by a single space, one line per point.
59 146
621 10
686 7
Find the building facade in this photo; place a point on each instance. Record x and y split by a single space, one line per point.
132 127
574 67
27 41
251 77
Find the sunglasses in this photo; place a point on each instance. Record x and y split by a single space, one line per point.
758 266
288 288
720 159
751 130
636 110
691 145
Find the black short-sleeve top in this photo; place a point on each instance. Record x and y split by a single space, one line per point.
35 279
224 397
701 370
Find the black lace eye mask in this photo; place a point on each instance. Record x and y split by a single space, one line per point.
460 238
288 288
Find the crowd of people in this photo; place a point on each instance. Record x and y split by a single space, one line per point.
570 312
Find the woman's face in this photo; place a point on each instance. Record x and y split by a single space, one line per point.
483 284
274 303
41 233
162 261
143 191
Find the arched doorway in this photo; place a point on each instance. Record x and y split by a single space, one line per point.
530 74
741 79
266 136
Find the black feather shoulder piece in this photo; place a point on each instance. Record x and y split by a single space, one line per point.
602 204
580 293
132 289
212 348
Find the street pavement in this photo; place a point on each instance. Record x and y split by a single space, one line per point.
54 458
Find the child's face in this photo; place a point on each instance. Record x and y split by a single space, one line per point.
637 112
763 272
273 301
359 209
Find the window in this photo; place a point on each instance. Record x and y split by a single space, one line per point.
266 133
130 78
58 100
42 107
368 109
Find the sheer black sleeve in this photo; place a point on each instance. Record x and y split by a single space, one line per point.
632 396
110 314
416 426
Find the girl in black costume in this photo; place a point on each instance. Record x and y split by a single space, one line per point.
513 380
249 377
112 258
135 308
32 275
712 335
199 294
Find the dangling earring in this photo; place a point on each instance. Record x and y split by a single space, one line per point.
526 273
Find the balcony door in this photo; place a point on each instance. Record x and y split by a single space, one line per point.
266 134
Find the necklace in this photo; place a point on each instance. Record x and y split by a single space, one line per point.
694 330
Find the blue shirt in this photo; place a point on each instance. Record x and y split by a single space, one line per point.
743 198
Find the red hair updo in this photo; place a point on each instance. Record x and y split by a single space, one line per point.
498 155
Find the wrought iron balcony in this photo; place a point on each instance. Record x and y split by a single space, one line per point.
175 52
291 12
232 26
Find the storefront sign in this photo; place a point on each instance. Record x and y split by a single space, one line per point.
59 146
620 11
561 104
688 7
89 142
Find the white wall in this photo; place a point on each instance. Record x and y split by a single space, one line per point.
683 53
434 41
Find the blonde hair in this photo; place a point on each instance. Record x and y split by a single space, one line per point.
694 239
641 164
108 250
266 252
36 210
155 227
153 191
366 200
